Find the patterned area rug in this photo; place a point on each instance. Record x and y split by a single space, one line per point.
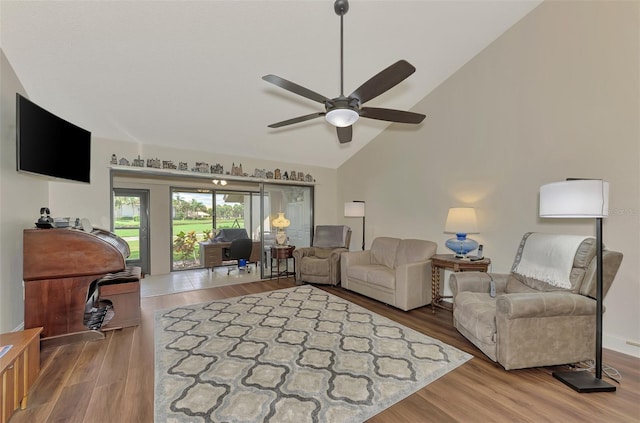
292 355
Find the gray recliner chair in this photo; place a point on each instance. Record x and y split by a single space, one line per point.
320 263
544 311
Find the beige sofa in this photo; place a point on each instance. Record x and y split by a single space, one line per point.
394 271
539 316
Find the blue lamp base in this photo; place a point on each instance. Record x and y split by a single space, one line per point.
461 245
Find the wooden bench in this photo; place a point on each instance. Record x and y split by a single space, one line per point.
122 291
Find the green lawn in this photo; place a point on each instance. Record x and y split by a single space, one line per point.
128 229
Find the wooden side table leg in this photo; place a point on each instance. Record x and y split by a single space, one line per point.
435 287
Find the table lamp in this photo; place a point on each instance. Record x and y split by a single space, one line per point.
582 198
281 222
461 221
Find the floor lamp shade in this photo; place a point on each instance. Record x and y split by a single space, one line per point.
355 209
582 198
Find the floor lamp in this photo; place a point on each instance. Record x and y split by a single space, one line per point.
355 208
582 198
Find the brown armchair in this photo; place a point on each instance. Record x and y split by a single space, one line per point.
544 311
320 263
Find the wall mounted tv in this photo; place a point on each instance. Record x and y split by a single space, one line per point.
48 145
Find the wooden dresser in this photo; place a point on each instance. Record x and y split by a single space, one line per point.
19 368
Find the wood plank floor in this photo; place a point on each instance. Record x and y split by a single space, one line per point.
112 380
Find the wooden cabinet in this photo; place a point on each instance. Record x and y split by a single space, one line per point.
19 368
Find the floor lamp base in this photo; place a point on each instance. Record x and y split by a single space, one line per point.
583 382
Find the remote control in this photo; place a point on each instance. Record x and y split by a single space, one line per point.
492 289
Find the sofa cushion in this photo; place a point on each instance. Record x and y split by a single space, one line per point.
323 253
476 312
414 250
312 265
383 251
375 274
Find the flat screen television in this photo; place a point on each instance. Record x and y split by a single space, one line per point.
48 145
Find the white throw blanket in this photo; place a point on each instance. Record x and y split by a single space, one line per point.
549 258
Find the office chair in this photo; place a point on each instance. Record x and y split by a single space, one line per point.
240 249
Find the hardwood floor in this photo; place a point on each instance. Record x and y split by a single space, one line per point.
112 380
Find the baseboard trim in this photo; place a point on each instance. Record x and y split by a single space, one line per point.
629 347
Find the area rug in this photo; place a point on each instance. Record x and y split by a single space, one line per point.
292 355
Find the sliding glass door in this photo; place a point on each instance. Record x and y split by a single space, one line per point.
131 222
192 217
296 203
198 214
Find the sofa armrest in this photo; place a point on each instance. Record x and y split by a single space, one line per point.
477 282
350 258
298 253
336 254
413 284
544 304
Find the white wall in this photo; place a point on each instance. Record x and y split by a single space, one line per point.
21 197
555 97
93 201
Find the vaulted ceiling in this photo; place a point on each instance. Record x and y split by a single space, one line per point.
187 74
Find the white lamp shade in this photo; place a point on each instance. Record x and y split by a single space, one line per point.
341 117
580 198
354 209
461 220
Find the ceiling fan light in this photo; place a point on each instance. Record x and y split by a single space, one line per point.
342 117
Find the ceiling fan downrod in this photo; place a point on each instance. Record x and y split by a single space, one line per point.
341 8
341 112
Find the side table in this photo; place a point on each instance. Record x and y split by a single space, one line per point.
279 254
19 368
440 262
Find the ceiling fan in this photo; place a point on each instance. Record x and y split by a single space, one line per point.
343 111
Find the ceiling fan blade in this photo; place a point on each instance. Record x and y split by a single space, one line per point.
296 120
384 80
391 115
344 134
295 88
